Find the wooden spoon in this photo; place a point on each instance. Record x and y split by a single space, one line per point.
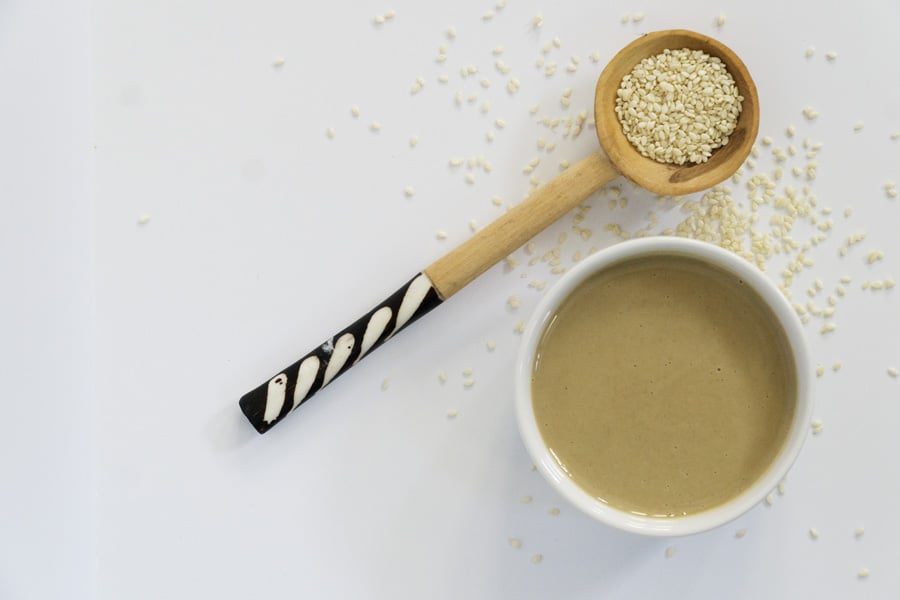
277 397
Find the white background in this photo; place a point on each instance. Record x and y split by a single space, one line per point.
128 470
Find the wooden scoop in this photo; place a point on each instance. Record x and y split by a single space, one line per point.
277 397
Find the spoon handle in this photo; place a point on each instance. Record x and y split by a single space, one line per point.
272 401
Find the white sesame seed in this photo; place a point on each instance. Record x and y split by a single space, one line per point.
330 133
817 426
354 110
378 19
781 488
553 511
520 327
831 55
451 32
385 384
637 17
836 366
441 234
766 141
514 302
720 20
467 371
820 370
515 543
858 126
770 499
810 113
488 15
491 345
143 219
278 62
537 21
813 533
443 78
526 499
470 179
442 376
740 533
375 126
409 191
858 532
670 551
810 51
828 328
537 558
451 414
390 14
500 123
490 136
863 573
893 372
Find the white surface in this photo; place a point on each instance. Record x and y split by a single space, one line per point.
545 459
47 432
265 237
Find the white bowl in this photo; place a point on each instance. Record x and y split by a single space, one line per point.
657 526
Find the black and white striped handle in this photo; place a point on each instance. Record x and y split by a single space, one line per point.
276 398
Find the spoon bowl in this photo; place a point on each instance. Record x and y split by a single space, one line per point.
663 178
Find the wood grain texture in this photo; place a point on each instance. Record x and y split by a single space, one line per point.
460 266
668 179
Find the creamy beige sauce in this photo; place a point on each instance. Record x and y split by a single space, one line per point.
664 386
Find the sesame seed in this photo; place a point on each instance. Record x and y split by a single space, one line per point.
515 543
810 113
553 511
766 141
451 414
810 51
817 426
488 15
720 20
514 302
740 533
441 234
781 488
525 499
537 558
413 141
831 55
637 17
385 384
520 327
491 345
858 532
443 78
863 573
278 62
473 225
670 551
498 49
378 19
828 328
330 133
470 179
442 377
813 533
451 32
820 370
143 219
893 372
489 136
354 110
537 21
500 123
836 366
390 14
375 126
858 126
409 191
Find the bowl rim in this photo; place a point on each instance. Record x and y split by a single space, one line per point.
659 526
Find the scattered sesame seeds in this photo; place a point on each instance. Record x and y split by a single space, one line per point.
143 219
828 328
670 551
500 123
817 426
813 533
375 126
831 55
354 110
514 302
863 573
537 558
452 413
515 543
810 113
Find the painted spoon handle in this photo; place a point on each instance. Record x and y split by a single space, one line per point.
276 398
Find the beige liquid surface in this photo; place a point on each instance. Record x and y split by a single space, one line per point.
664 386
